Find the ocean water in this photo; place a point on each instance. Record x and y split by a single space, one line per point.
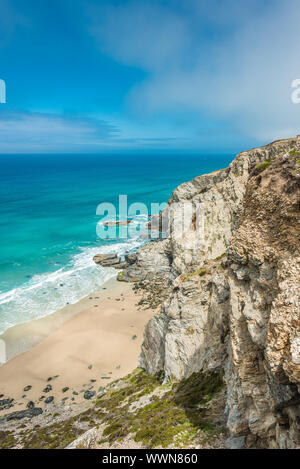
48 221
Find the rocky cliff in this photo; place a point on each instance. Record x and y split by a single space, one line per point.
233 292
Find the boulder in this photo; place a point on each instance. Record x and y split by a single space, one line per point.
19 415
89 394
117 223
107 260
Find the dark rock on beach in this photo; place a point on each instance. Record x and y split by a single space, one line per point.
47 388
89 394
49 400
4 402
8 406
19 415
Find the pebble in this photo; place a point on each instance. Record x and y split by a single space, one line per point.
90 367
49 399
52 377
30 405
65 389
27 388
134 337
47 388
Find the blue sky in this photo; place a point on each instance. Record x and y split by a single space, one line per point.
147 75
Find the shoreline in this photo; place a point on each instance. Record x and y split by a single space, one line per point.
24 336
80 347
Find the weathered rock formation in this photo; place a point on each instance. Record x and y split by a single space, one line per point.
234 277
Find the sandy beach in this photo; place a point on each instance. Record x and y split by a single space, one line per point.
81 347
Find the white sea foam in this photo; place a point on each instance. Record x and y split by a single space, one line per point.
46 293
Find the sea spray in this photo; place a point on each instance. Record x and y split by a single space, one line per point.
43 294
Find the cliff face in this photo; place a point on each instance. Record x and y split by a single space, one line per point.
233 298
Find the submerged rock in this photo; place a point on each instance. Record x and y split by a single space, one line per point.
117 223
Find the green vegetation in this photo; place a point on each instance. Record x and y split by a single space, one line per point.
137 385
262 166
294 153
155 414
221 257
190 331
176 415
7 440
200 272
58 435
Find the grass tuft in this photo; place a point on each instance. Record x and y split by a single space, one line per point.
262 166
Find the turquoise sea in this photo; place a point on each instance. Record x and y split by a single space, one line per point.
48 221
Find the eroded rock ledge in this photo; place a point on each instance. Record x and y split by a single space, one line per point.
233 299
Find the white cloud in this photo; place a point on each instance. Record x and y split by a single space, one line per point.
231 61
21 131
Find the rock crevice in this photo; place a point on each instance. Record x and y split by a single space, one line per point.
233 299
